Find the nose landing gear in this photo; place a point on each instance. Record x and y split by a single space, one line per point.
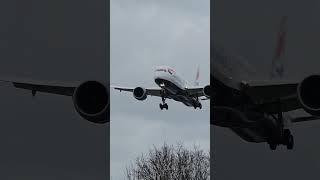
163 105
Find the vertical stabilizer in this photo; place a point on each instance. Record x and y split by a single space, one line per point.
277 69
196 81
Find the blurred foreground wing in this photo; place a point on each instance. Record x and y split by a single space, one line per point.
52 87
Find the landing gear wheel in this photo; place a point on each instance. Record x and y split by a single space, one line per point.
288 139
273 146
285 136
165 106
200 106
290 142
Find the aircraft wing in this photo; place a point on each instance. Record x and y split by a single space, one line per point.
150 91
198 91
268 94
53 87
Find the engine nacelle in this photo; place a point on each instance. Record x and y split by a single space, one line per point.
91 100
309 94
140 93
207 91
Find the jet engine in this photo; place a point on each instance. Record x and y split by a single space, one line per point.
309 94
140 93
207 91
91 100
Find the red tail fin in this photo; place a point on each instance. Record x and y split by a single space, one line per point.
196 82
277 69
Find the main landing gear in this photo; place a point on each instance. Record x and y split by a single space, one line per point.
163 105
287 140
283 136
198 106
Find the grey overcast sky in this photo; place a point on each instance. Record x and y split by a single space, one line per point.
145 34
249 28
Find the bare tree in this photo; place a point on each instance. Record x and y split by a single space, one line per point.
171 163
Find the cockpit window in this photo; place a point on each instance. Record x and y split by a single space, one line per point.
171 71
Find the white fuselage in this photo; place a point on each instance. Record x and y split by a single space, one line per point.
168 74
173 85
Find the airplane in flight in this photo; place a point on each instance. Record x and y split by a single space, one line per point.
172 86
90 98
255 109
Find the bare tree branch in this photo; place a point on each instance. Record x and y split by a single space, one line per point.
171 163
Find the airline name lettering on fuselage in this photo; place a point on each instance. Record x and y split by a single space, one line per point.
164 70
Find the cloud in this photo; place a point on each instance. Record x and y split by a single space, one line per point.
145 34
